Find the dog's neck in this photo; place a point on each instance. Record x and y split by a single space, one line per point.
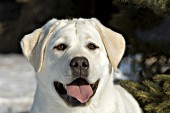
44 102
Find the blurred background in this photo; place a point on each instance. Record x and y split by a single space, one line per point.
145 24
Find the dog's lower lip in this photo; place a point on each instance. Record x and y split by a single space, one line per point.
61 90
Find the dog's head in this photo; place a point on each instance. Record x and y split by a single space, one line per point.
73 58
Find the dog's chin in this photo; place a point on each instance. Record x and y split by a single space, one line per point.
70 100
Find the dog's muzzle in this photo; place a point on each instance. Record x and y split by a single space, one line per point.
79 91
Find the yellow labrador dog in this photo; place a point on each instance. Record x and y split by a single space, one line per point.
75 61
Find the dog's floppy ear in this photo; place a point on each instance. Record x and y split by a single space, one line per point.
114 43
28 45
33 44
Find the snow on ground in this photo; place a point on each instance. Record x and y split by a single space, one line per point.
17 84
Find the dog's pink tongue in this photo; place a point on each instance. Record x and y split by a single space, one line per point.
81 93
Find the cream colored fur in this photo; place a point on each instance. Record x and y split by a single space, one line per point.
51 65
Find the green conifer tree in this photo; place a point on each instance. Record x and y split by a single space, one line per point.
152 95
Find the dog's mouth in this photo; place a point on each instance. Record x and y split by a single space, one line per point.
77 93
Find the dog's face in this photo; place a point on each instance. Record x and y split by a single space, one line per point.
71 59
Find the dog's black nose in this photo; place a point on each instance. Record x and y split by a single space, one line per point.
79 66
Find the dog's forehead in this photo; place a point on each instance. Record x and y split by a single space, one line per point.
86 28
77 28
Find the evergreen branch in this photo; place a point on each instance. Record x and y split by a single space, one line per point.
143 96
160 108
129 85
146 97
152 88
166 85
161 77
150 107
152 95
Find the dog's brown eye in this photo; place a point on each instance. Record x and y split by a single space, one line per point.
60 47
92 46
